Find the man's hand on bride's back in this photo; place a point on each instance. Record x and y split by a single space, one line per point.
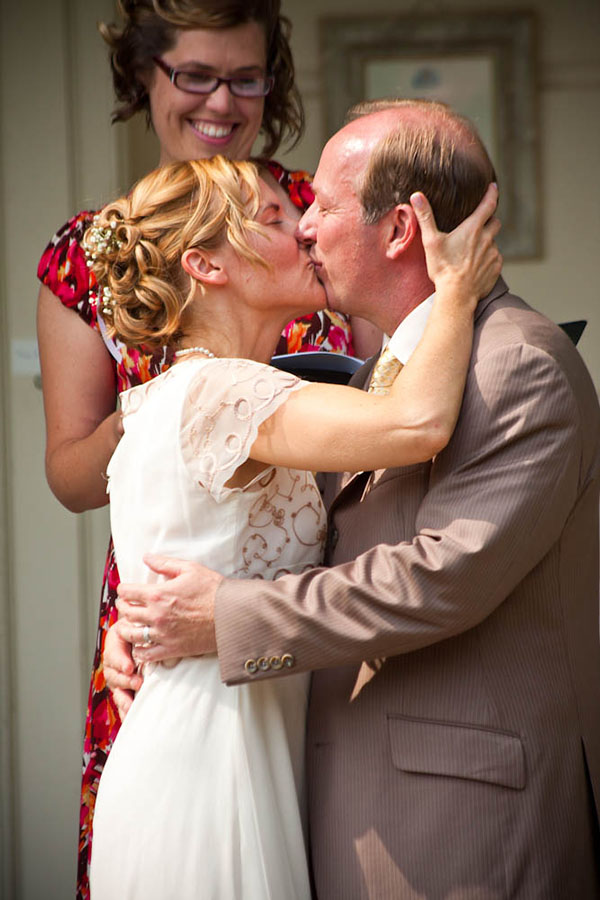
173 617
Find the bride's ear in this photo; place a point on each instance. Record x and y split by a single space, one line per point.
203 267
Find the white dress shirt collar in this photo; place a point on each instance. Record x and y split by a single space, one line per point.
410 331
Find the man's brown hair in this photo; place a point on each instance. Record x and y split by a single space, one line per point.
433 150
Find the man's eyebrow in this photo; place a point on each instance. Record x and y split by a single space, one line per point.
321 195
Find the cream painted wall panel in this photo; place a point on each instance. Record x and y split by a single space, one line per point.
7 768
58 151
564 284
48 673
46 636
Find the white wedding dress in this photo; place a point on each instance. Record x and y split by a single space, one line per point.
201 796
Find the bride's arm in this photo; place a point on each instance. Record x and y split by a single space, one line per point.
330 427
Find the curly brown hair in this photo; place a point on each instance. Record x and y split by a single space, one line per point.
150 28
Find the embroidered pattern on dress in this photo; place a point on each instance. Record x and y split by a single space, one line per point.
226 403
290 508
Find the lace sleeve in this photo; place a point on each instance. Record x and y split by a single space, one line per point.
226 402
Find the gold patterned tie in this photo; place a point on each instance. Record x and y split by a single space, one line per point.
385 372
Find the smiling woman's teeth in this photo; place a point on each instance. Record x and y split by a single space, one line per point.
217 131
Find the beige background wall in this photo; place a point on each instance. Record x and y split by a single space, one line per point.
57 155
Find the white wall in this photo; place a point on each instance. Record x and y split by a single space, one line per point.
58 154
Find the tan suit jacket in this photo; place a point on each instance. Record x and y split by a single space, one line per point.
454 724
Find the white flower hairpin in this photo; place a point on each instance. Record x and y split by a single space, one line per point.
99 239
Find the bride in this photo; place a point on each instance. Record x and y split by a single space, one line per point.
202 795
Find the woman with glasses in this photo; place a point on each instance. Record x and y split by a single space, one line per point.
201 796
210 76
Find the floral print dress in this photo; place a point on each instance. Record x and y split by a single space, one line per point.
62 268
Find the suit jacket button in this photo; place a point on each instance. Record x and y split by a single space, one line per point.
276 662
251 667
288 660
334 537
263 664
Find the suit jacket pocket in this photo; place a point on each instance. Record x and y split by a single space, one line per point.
458 751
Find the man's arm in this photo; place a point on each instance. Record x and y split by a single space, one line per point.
498 499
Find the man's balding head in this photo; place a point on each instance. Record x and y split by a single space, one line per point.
364 235
425 147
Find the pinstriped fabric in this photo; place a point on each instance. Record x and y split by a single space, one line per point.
464 596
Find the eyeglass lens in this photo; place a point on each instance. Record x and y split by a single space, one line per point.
200 83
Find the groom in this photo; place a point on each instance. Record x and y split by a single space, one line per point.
454 723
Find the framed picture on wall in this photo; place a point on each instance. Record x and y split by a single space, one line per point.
483 66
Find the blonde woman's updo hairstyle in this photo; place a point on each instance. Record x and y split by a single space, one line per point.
135 244
150 29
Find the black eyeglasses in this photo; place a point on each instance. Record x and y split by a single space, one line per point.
202 83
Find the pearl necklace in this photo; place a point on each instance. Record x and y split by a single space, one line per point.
204 350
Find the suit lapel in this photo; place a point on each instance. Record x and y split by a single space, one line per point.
361 379
362 376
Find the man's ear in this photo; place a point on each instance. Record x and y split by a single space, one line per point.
403 228
203 267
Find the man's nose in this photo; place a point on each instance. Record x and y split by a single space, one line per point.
305 231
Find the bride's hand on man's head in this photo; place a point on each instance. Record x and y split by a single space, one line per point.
467 256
